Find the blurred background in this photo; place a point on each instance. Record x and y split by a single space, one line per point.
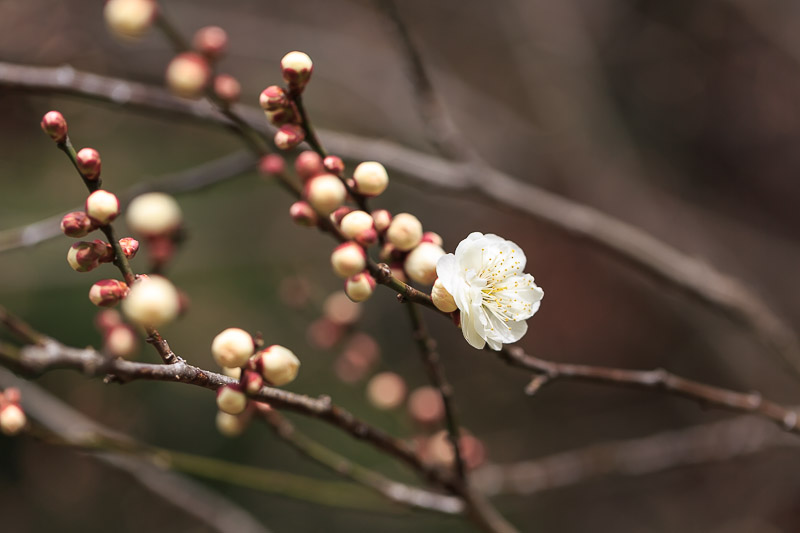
681 117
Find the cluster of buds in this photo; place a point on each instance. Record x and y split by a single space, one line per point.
157 217
12 417
278 103
119 339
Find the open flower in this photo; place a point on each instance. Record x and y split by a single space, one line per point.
494 296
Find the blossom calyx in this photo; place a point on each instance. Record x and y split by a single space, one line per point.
348 259
76 224
231 399
325 193
360 286
188 75
370 178
405 231
232 348
108 292
102 207
88 162
278 365
296 68
55 125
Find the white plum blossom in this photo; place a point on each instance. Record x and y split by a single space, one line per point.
493 294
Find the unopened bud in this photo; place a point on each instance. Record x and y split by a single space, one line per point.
108 292
397 272
420 264
281 116
325 193
83 256
231 425
289 136
273 98
386 390
88 161
339 213
227 88
11 395
382 219
334 164
271 165
102 207
120 341
232 348
296 68
390 254
253 381
107 319
54 124
340 310
129 246
433 238
152 302
359 287
348 259
104 251
210 41
153 214
12 419
371 178
405 231
231 400
425 406
130 19
308 164
278 365
303 214
76 224
359 226
442 299
188 75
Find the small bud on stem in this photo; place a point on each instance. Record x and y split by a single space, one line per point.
54 124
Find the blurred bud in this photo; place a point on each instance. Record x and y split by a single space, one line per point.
334 164
88 161
295 291
102 207
325 193
271 165
130 19
359 287
152 302
371 178
232 425
11 395
289 136
425 406
108 292
296 68
442 299
106 319
420 264
278 365
83 256
188 75
390 254
76 224
252 381
339 309
232 348
358 225
303 214
231 400
308 164
382 218
273 98
54 124
433 238
405 231
153 214
129 246
234 373
340 213
439 450
348 259
120 341
386 390
324 333
161 249
12 419
227 88
104 251
398 272
210 41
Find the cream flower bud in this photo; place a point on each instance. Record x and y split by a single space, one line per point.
129 246
231 400
296 68
370 178
358 225
83 256
289 136
303 214
231 425
271 165
278 365
420 264
76 224
325 193
88 162
188 75
386 390
405 231
152 302
333 164
153 214
273 98
120 341
359 287
108 292
442 299
308 164
227 88
211 41
130 19
348 259
233 347
54 124
382 219
102 207
433 237
12 419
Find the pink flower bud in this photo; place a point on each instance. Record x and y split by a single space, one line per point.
296 68
231 400
188 75
442 299
210 41
54 124
108 292
273 98
102 207
281 116
348 259
303 214
88 161
11 395
12 419
338 215
334 164
420 264
340 310
227 88
232 348
308 164
253 381
433 238
76 224
405 231
120 341
371 178
278 365
386 390
289 136
271 165
83 256
129 246
232 425
153 214
359 287
425 406
130 19
104 251
382 219
151 302
325 193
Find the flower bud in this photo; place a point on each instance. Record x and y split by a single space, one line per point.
153 214
296 68
88 161
359 226
278 365
227 88
130 19
234 373
348 259
281 116
233 347
442 299
390 254
11 395
54 124
76 224
252 381
371 178
151 302
425 406
12 419
102 207
231 400
359 287
397 272
334 164
273 98
271 165
405 231
106 319
338 215
108 292
433 237
104 251
308 164
188 75
420 264
386 390
120 341
340 310
325 193
289 136
231 425
210 41
83 256
129 246
382 219
303 214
